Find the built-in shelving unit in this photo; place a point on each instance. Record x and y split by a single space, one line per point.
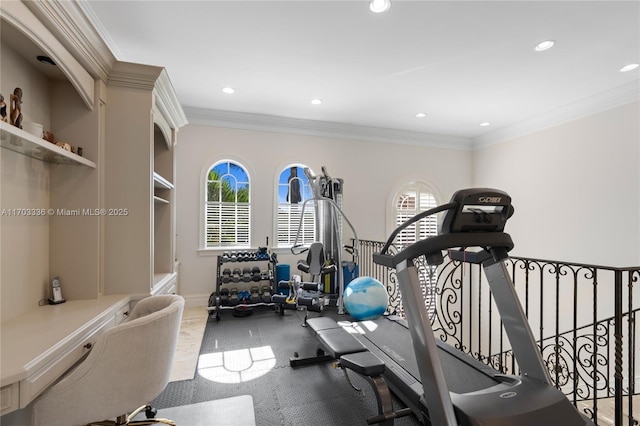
25 143
140 164
164 270
103 260
160 182
161 188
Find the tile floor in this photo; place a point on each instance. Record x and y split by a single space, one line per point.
194 321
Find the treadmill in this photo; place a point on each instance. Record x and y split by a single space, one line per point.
440 384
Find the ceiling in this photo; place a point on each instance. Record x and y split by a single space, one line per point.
461 63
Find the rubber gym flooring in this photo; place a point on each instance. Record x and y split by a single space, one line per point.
255 352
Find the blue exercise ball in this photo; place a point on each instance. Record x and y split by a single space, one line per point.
365 298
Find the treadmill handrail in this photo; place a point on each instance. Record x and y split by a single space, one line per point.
437 244
427 213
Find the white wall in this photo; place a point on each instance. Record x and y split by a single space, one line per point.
371 171
575 188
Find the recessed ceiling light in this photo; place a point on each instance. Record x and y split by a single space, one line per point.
629 67
485 124
228 90
316 101
544 45
421 115
379 6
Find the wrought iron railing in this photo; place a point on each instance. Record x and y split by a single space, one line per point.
582 316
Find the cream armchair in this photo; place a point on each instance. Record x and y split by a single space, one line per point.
128 366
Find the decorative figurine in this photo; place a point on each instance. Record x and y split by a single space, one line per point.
15 107
65 146
48 136
3 109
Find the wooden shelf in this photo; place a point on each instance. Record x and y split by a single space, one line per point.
18 140
160 182
160 200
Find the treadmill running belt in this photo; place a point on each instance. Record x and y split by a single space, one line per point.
394 339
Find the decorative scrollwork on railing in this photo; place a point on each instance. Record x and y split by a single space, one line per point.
387 276
576 364
587 356
447 318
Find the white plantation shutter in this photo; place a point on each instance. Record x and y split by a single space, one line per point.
288 215
227 224
289 221
227 212
409 201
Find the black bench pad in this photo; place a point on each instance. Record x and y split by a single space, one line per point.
322 323
338 342
334 339
364 363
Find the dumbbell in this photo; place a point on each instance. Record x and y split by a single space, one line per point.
266 294
233 298
255 274
226 275
224 295
236 275
255 295
246 274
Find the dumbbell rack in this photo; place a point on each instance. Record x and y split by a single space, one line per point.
224 298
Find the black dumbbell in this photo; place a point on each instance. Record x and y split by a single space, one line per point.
266 294
255 294
246 274
255 274
236 275
224 295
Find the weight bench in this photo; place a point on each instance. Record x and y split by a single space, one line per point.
337 344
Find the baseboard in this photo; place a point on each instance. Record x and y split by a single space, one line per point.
196 300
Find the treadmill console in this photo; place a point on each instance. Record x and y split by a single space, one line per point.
477 210
474 218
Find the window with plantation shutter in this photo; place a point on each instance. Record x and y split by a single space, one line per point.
412 199
293 191
227 206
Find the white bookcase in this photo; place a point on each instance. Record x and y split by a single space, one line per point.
103 222
109 222
140 161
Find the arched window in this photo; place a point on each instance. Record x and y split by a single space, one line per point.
227 206
412 199
293 191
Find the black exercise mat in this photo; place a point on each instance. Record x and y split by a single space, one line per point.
311 395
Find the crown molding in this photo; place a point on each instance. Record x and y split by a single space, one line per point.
167 101
73 24
271 123
134 76
613 98
38 31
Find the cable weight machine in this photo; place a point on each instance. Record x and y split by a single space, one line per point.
329 217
